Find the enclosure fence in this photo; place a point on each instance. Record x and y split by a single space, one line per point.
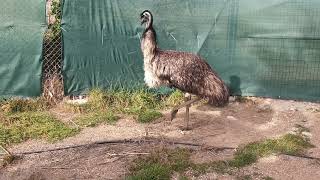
259 48
52 80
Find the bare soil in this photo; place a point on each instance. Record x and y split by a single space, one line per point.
232 126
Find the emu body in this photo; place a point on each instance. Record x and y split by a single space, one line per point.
182 70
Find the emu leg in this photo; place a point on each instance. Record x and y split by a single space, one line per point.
174 111
187 97
173 114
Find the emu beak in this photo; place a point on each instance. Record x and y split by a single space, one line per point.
143 20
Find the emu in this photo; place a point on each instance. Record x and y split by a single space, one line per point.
182 70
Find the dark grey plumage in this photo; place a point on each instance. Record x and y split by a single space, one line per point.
185 71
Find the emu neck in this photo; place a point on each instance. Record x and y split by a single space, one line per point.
149 44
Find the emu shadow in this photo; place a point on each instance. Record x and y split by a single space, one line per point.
234 86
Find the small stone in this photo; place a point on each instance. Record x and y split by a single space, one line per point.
269 159
232 118
306 134
293 109
264 108
232 99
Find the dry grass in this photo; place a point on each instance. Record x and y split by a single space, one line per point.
24 105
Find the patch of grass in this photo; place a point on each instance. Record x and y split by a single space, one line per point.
144 99
243 159
267 178
93 119
174 99
160 164
183 177
18 127
179 159
122 100
97 100
221 167
245 177
132 101
288 144
153 171
148 116
24 105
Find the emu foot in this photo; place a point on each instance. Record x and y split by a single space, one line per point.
174 111
185 128
173 114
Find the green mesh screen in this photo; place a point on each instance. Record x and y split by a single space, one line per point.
22 25
260 48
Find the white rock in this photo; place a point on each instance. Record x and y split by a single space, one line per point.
232 118
266 107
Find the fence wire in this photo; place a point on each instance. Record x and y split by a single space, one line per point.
52 80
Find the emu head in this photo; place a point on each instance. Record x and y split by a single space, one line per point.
146 17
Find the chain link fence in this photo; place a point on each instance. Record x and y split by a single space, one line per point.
52 80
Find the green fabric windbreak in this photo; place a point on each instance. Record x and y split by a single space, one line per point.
260 48
22 25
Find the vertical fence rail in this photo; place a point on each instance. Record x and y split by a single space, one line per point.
52 80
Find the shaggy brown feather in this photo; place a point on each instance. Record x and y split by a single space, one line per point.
185 71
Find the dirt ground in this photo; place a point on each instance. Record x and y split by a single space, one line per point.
228 127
